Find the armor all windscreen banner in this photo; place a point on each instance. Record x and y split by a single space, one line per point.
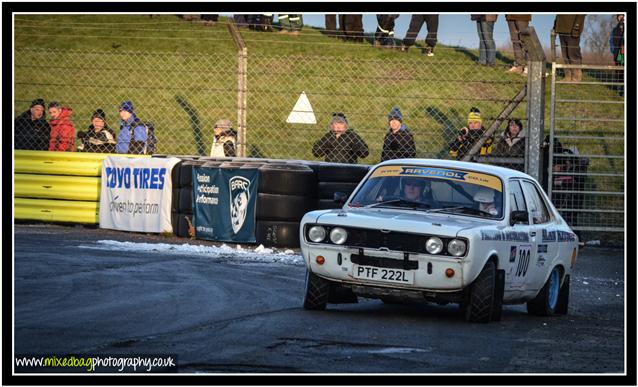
136 194
224 203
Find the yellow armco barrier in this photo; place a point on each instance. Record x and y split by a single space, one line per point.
62 163
74 177
57 210
57 187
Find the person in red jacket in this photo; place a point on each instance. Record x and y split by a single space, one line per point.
62 130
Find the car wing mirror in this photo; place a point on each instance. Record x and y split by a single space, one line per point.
340 197
519 217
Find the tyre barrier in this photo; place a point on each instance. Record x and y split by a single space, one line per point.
283 207
58 186
277 233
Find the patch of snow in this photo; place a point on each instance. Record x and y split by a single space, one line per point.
396 350
260 254
585 283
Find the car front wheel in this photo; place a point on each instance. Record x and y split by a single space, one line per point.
478 307
317 292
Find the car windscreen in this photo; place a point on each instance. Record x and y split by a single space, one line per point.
432 189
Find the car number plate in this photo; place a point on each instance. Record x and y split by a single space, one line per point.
399 276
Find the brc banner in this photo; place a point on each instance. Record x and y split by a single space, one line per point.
136 194
224 203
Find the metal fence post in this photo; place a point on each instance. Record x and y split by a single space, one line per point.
535 103
242 86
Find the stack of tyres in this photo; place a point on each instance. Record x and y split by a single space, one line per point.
182 211
334 177
286 192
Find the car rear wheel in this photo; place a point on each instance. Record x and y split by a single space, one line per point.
317 292
563 298
480 302
546 301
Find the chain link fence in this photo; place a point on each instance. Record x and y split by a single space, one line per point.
185 94
587 147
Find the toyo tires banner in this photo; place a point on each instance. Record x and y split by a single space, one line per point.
136 194
224 202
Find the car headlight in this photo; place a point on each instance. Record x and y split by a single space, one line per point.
456 247
317 234
338 236
434 245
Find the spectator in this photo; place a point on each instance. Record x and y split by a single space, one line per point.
516 24
331 25
468 136
398 142
224 140
513 142
617 41
341 144
569 29
241 20
62 131
32 131
352 27
260 22
432 22
487 46
133 136
210 19
291 24
99 137
384 36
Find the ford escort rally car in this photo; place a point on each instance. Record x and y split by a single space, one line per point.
441 231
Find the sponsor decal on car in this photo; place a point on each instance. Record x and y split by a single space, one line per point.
512 253
482 179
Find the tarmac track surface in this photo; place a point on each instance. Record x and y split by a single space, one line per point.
231 315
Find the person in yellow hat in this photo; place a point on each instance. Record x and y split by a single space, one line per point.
469 135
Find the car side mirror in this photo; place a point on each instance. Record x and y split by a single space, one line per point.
340 197
519 217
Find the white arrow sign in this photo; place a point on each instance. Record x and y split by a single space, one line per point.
302 112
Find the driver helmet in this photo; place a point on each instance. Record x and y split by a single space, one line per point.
485 198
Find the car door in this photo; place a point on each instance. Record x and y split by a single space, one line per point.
520 238
540 219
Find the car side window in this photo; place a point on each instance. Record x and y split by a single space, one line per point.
538 210
517 200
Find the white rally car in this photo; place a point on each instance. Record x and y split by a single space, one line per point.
441 231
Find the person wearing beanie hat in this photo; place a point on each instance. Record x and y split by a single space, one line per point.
224 140
31 129
62 137
99 137
398 142
341 144
469 135
133 134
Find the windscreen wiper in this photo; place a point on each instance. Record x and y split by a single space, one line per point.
402 202
465 209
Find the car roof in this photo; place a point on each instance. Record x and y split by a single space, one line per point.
504 173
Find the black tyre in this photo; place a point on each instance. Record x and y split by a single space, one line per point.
499 291
283 207
478 307
326 204
231 164
185 200
175 200
175 174
182 225
546 301
347 173
317 292
186 172
277 233
287 179
326 190
563 298
212 164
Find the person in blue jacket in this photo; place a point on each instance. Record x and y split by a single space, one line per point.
133 134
